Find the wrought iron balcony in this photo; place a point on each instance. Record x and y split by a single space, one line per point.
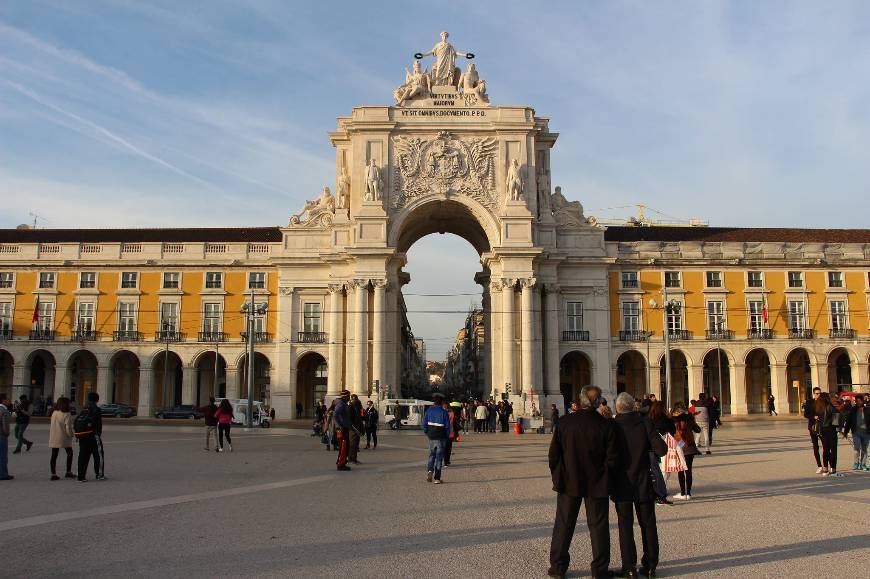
168 336
720 335
575 336
259 337
634 335
212 337
312 337
801 334
5 333
83 335
42 335
630 284
126 336
843 334
679 335
761 334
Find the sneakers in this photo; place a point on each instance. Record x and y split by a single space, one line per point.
664 501
101 477
69 475
218 450
343 467
708 452
820 470
825 473
682 497
856 467
837 474
430 475
29 446
54 477
437 481
231 448
865 468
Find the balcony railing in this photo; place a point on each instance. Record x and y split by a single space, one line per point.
843 334
42 335
575 336
259 337
82 335
212 337
312 337
720 335
679 335
126 336
761 334
633 335
630 284
168 336
5 333
801 334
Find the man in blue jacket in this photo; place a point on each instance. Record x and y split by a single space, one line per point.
436 425
341 416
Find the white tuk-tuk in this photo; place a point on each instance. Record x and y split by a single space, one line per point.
403 412
240 412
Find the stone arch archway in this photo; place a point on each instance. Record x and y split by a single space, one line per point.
41 375
211 378
631 374
167 376
575 372
679 390
461 216
798 369
82 375
717 363
124 372
311 379
840 371
262 376
757 380
7 371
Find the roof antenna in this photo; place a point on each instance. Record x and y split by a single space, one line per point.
35 218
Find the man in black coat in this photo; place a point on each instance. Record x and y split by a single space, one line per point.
582 453
632 486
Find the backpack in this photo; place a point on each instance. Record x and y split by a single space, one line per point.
83 424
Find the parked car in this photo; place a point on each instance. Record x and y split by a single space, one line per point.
180 411
118 410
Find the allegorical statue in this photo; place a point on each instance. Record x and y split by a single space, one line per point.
514 181
374 183
445 72
471 84
543 191
417 84
316 209
566 212
343 192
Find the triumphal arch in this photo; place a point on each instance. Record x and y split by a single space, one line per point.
444 158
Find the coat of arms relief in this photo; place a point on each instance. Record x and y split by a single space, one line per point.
444 165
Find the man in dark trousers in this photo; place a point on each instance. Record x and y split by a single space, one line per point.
371 423
582 454
88 427
357 427
632 486
341 417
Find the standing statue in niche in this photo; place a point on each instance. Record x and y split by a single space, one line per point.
343 193
445 72
472 85
514 181
374 183
417 84
543 191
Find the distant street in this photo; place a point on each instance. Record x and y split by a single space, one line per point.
276 507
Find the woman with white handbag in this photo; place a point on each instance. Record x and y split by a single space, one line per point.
686 428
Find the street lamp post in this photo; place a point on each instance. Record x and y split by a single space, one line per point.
720 323
165 337
670 307
251 310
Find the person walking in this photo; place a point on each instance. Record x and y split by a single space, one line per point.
493 416
554 418
60 435
686 428
454 432
224 417
357 427
813 427
633 488
480 417
5 419
370 420
771 406
23 410
341 419
582 453
209 412
663 425
88 430
702 418
436 426
824 416
858 423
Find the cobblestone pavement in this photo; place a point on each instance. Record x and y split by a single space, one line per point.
276 507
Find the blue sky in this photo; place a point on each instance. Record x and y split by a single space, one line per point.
123 113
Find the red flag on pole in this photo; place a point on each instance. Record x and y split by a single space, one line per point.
36 312
764 309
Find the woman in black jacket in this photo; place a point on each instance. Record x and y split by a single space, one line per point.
824 411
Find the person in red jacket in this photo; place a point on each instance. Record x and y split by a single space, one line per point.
224 417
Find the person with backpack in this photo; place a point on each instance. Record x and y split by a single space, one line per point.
436 426
224 417
22 420
60 435
208 412
88 430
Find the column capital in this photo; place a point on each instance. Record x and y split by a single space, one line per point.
528 282
335 288
357 283
552 288
285 290
380 284
508 282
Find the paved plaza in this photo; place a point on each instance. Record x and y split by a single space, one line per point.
276 507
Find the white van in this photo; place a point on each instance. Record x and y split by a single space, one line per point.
410 412
240 412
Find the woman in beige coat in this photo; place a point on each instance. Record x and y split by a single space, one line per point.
60 435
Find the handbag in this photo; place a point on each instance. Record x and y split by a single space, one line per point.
324 439
675 460
660 487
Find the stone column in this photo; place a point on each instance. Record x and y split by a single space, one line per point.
819 372
60 385
188 384
336 335
378 334
360 350
527 318
738 390
19 375
696 381
655 380
232 390
104 383
779 386
551 347
507 335
492 331
146 385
